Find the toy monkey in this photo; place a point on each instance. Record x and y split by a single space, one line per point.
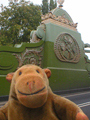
31 98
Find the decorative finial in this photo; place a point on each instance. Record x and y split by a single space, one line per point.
60 2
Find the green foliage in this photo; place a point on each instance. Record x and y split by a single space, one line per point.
17 21
51 4
46 7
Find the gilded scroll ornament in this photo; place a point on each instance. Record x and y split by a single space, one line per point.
61 19
66 48
32 56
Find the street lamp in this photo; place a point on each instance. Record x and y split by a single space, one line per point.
60 2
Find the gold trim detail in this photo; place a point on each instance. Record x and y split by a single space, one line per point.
60 20
66 48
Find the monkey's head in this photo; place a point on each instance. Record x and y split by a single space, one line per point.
30 85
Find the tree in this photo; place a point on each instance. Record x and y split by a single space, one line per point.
18 20
55 4
44 6
52 4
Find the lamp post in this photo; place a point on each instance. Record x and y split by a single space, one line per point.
60 2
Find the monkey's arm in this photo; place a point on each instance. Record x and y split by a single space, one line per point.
3 112
67 110
2 116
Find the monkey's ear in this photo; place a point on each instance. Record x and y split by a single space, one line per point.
48 72
9 77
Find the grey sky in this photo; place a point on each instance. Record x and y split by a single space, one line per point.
79 12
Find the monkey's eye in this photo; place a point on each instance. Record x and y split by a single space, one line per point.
20 73
37 71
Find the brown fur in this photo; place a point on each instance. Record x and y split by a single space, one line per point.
31 98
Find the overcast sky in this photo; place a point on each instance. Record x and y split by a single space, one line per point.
79 10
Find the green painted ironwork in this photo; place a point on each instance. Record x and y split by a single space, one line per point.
59 48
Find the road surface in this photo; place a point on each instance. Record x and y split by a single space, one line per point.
82 100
